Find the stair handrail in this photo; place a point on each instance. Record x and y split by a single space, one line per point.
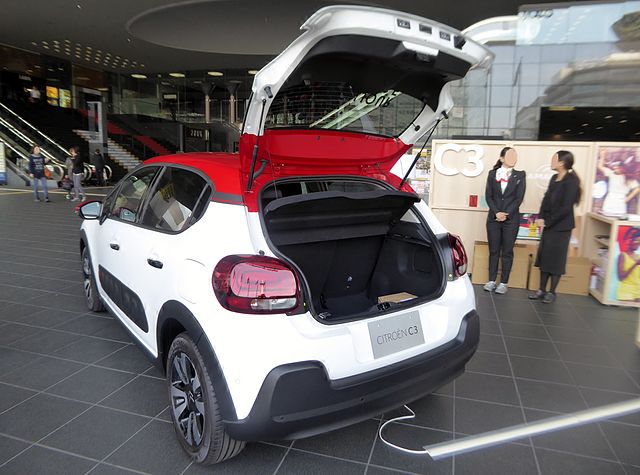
28 124
17 132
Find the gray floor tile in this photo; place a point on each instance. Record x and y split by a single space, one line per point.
492 363
41 460
61 301
300 462
91 384
518 315
432 412
88 349
10 448
11 360
557 463
594 355
96 433
474 417
582 440
10 396
412 438
50 318
42 373
154 449
255 459
491 343
550 397
533 348
503 459
541 369
35 418
573 335
568 320
129 358
105 469
145 396
524 330
11 332
490 327
625 441
486 388
599 397
602 378
46 342
351 443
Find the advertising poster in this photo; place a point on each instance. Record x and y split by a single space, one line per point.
3 171
52 95
528 228
616 191
625 278
65 98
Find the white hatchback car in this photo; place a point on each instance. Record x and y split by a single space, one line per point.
297 286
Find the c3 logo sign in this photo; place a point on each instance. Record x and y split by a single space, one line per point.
477 152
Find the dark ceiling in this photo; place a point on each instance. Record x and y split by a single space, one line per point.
131 36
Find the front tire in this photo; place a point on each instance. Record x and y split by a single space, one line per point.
194 407
90 288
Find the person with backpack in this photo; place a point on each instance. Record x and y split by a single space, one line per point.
37 173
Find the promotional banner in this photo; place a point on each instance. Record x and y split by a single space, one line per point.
616 188
625 283
3 170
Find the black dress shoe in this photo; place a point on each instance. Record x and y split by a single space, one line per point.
549 297
537 295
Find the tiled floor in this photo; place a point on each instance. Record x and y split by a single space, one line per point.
77 397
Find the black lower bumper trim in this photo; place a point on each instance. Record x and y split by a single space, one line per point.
299 400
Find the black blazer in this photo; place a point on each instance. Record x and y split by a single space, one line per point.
509 201
558 202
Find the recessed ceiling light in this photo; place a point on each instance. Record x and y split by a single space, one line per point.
253 71
138 76
622 121
102 89
176 75
568 130
585 125
608 116
215 73
599 127
580 133
34 43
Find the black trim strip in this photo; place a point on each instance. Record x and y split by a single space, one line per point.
228 198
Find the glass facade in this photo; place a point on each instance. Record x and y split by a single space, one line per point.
564 56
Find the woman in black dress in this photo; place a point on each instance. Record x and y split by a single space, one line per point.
556 221
504 194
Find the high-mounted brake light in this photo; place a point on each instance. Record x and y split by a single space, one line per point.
256 284
458 256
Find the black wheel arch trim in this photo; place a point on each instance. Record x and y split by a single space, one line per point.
173 310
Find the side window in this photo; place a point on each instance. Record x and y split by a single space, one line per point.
128 200
174 200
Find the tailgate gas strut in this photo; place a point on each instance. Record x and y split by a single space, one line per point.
415 160
256 147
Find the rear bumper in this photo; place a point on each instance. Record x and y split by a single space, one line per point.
299 400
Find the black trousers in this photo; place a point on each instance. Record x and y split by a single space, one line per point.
100 176
502 238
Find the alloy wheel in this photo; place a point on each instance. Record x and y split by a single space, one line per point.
187 401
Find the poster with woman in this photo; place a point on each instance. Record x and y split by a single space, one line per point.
616 191
625 283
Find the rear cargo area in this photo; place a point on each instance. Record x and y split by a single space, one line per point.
356 250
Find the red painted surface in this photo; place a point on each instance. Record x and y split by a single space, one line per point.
152 144
296 153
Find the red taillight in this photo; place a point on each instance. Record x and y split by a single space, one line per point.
255 284
458 256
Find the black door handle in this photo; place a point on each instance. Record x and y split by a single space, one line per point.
155 263
114 246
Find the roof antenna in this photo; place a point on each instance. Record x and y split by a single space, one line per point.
415 160
256 147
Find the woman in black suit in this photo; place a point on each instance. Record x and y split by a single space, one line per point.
504 194
556 221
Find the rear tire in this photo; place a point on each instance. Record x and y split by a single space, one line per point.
194 407
94 302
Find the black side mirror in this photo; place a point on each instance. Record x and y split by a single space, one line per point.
90 209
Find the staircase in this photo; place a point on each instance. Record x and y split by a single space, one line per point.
114 151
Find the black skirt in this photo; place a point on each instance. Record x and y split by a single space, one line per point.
552 251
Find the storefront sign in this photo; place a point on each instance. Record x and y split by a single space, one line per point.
474 159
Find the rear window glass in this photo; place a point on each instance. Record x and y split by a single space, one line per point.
337 106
